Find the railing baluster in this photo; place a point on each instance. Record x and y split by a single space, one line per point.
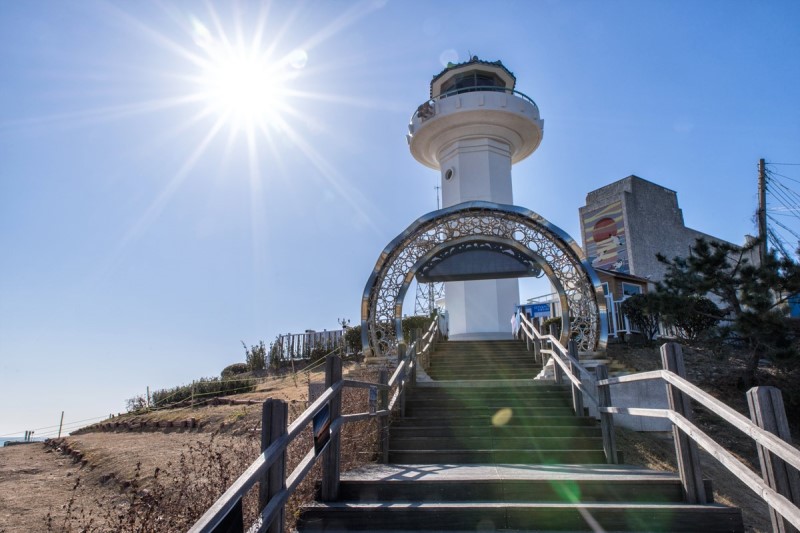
606 419
383 421
577 395
767 411
274 415
685 448
330 457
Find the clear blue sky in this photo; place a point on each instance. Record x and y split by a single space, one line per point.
143 234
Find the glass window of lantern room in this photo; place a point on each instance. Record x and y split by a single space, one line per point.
472 79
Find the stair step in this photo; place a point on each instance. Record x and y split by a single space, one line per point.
454 432
520 516
482 421
501 443
487 403
640 490
487 411
525 456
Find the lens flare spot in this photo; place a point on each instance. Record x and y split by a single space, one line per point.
448 56
502 417
298 58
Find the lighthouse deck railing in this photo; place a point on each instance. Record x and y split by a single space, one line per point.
427 109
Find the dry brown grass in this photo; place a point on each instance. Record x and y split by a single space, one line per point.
171 497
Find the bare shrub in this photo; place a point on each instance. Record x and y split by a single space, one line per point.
178 495
173 499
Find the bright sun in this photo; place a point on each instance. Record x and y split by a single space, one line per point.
244 85
244 88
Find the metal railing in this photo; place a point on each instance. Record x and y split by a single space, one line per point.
779 483
324 414
428 108
567 366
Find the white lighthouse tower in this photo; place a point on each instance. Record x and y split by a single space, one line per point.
473 128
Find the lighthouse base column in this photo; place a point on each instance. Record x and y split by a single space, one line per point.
481 309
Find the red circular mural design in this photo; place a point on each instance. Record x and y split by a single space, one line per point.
604 229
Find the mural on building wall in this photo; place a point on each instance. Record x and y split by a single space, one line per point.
604 235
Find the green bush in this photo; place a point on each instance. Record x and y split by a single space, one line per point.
256 356
234 370
352 339
644 313
411 323
204 389
556 320
693 316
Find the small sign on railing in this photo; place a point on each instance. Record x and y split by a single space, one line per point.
373 400
322 428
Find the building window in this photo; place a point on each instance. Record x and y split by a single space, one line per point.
629 289
606 292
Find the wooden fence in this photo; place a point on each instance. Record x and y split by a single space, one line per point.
326 420
778 484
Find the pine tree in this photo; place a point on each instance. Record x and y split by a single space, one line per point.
752 298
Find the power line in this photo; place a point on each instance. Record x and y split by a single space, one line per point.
772 173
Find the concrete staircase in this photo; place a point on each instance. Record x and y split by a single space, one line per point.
486 448
482 360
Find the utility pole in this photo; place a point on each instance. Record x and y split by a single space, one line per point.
61 424
762 212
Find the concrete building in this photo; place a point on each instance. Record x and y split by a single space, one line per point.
473 128
626 223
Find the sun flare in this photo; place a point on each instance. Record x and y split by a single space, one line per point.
245 89
245 85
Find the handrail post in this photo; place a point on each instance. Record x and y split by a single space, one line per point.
274 415
537 352
768 413
577 395
414 362
558 373
331 456
606 419
402 351
383 421
685 448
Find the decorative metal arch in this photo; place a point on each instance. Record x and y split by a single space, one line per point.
514 228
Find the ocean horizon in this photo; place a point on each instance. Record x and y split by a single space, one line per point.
17 439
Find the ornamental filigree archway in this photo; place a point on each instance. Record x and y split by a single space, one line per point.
512 230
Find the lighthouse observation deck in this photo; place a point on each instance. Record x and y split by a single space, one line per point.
494 112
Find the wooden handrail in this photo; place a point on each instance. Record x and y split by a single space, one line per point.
255 473
574 379
781 504
214 515
364 384
769 441
776 445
